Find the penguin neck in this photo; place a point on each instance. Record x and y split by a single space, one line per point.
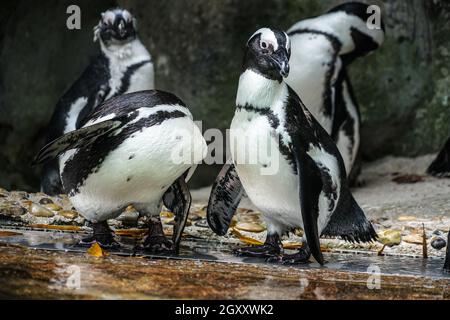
124 52
259 92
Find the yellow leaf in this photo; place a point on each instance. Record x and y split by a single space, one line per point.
97 251
245 239
62 228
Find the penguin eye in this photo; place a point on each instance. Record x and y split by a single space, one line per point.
264 45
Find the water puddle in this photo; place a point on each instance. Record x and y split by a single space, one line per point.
204 250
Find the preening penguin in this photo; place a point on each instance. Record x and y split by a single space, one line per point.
322 48
124 65
301 182
135 149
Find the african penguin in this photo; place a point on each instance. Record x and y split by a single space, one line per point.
301 182
322 48
440 167
123 65
135 149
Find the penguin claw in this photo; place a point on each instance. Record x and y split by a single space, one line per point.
158 244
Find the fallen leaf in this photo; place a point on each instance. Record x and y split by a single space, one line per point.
97 251
9 233
167 214
292 245
406 218
62 228
390 237
245 239
413 239
250 227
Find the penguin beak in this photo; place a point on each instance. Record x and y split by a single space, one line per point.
281 61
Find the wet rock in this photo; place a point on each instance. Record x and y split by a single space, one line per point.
129 217
53 207
19 194
438 242
39 211
68 214
12 210
45 201
202 223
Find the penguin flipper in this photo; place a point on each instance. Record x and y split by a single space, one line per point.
74 139
349 221
178 200
310 186
225 196
440 167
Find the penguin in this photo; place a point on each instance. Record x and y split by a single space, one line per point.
301 182
135 149
322 49
440 167
123 65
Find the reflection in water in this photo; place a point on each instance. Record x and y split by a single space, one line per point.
202 250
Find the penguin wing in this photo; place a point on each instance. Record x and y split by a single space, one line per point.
178 200
75 139
224 199
310 187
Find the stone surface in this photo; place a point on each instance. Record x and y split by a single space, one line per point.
197 46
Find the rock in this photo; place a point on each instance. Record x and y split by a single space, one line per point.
202 223
129 217
45 201
413 238
438 242
53 206
39 211
68 214
12 210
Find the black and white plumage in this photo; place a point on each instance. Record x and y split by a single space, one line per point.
135 149
322 48
124 65
302 182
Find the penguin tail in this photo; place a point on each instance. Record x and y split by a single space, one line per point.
440 167
364 29
350 223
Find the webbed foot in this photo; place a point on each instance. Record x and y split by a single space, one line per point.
156 241
102 234
272 248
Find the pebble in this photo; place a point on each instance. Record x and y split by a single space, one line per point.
45 201
438 242
14 211
202 223
68 214
39 211
53 206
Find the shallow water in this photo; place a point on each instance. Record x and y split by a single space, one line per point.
204 250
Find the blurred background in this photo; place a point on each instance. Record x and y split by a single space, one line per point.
197 47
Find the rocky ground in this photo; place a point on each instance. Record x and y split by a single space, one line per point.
409 210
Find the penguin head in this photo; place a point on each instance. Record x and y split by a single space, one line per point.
117 26
268 52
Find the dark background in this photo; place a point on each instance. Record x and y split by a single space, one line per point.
197 47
